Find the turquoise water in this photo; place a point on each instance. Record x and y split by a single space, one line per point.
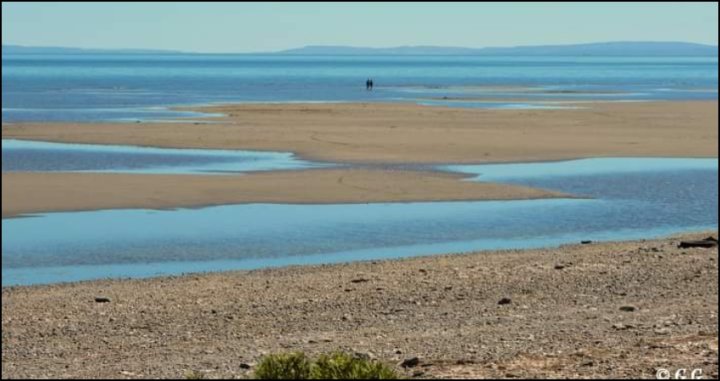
627 199
28 156
138 87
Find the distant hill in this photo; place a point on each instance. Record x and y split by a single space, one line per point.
596 49
16 49
629 49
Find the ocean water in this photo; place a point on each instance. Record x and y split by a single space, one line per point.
143 87
30 156
624 198
639 199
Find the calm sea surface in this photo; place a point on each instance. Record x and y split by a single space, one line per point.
28 156
625 198
141 87
629 199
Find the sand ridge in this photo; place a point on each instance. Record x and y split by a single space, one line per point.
28 193
408 133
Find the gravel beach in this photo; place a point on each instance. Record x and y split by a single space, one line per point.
595 310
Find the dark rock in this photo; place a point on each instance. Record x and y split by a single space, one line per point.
628 309
410 363
245 366
505 301
588 363
707 243
102 299
559 267
586 242
361 280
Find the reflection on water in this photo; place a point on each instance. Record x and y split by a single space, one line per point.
632 199
52 157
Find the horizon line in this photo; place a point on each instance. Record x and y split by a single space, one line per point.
161 50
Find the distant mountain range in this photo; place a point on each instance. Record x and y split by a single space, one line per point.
595 49
630 49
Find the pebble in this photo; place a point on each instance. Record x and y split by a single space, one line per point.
505 301
410 362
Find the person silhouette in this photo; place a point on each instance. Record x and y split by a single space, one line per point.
367 84
371 84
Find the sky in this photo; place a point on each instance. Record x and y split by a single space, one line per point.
265 27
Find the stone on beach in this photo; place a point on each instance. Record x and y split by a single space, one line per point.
707 243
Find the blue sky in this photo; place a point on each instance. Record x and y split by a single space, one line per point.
258 27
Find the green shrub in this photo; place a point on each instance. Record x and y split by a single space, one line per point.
340 366
290 366
335 366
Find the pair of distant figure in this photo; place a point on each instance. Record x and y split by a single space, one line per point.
369 84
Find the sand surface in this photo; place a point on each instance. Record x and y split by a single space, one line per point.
564 319
371 134
27 193
405 133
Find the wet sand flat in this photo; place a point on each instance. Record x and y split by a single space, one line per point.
27 193
618 310
359 133
406 133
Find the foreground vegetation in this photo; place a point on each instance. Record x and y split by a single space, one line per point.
335 366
